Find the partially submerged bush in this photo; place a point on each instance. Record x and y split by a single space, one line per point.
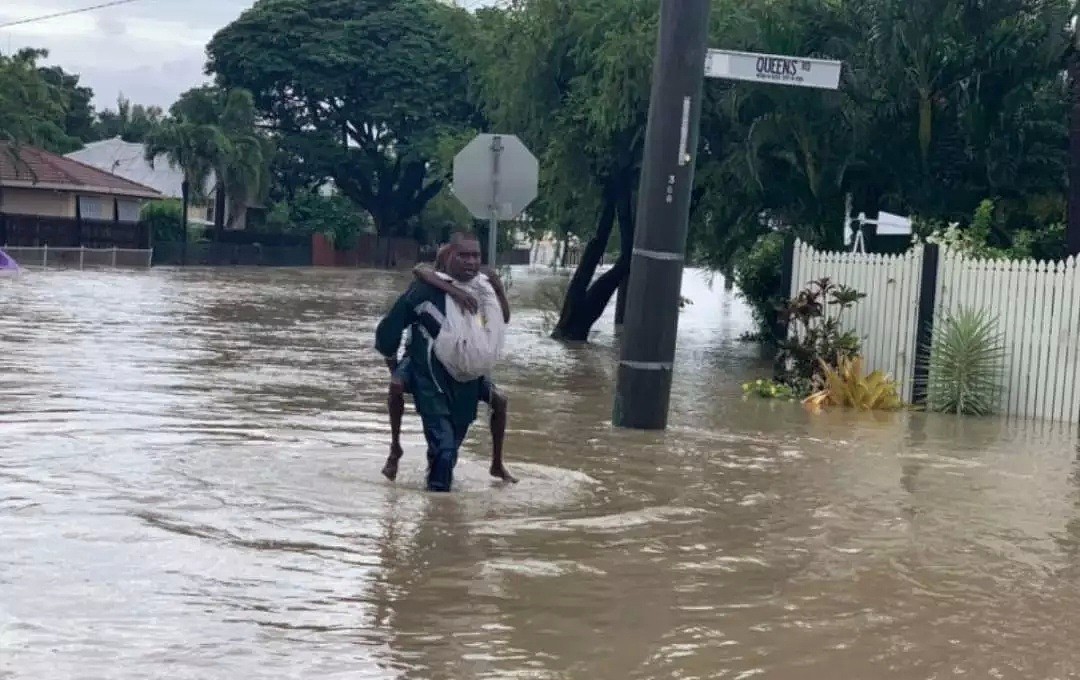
966 361
768 389
817 340
848 386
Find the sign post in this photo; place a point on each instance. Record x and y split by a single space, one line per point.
496 177
643 390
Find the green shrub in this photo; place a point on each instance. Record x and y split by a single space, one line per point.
767 389
758 275
818 342
165 220
966 363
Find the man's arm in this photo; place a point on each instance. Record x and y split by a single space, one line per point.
426 274
392 326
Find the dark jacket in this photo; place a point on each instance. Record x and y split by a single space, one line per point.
422 310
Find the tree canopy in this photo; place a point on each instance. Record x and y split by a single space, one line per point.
363 88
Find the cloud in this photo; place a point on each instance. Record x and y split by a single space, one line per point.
150 51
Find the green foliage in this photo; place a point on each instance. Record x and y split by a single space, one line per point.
986 231
818 341
312 213
33 110
165 220
768 389
363 89
966 364
847 385
131 122
758 275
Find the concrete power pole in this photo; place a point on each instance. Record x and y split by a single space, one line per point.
643 391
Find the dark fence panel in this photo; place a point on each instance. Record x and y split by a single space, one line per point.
231 254
67 232
264 238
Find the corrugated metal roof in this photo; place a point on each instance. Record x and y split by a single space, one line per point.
128 160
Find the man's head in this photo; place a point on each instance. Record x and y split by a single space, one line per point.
463 260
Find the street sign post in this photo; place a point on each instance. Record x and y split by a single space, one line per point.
643 387
496 177
773 68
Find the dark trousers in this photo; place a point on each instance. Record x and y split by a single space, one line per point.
443 443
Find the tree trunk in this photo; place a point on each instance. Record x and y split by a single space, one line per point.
586 303
219 212
626 245
185 194
1073 232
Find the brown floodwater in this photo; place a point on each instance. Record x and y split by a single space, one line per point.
189 488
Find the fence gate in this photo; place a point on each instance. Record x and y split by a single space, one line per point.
887 319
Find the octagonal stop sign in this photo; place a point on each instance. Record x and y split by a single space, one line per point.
495 177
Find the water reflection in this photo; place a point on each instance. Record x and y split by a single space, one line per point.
189 487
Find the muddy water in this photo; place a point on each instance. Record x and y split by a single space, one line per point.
189 489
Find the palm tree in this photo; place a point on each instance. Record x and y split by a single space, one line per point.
242 160
192 149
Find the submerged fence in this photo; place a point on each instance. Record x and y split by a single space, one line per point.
1036 304
80 258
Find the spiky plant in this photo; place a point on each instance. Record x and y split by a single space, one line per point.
848 386
966 363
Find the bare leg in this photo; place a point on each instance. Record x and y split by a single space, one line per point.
396 404
498 435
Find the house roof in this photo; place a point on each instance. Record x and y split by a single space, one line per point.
128 160
33 168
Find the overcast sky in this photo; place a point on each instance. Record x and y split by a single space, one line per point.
151 50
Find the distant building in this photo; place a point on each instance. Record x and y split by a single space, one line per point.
50 199
128 160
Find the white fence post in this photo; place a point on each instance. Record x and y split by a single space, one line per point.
82 256
45 257
114 257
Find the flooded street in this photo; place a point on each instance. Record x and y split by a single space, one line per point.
190 488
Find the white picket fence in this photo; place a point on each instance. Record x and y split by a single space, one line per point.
886 320
1037 306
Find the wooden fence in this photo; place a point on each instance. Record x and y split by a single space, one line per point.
1036 304
886 320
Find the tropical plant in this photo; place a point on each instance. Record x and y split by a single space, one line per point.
848 386
768 389
165 220
966 357
818 341
189 147
239 154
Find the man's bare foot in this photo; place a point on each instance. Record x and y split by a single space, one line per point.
499 471
390 470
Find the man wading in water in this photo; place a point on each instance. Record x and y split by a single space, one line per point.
446 406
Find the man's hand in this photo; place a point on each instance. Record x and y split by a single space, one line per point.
464 300
493 277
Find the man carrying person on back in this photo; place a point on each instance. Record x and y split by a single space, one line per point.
446 406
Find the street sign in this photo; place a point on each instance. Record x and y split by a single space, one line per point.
496 177
773 68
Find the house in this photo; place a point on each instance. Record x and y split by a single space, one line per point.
46 199
128 160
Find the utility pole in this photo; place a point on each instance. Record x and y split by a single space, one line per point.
643 392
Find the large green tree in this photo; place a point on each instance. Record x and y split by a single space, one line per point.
33 107
368 86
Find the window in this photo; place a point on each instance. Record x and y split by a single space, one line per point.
93 208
